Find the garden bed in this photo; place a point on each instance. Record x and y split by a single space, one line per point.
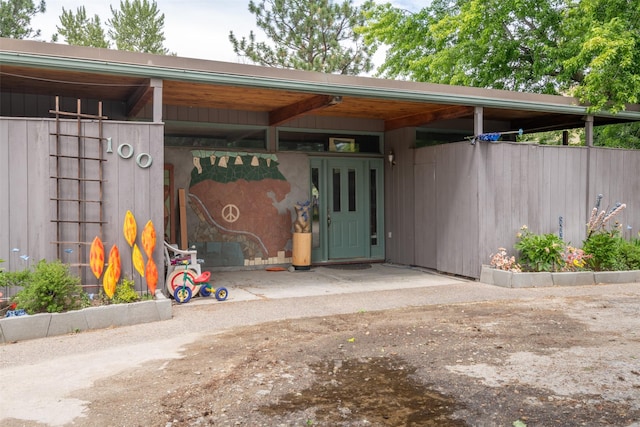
42 325
509 279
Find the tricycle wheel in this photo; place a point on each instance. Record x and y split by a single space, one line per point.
205 290
221 294
182 294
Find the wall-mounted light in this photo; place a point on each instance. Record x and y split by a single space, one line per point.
391 158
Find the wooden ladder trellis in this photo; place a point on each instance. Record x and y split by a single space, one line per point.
79 181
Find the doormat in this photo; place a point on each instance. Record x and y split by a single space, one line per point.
349 266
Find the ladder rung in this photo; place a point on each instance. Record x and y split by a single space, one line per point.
78 179
78 136
75 200
64 156
88 116
69 221
72 243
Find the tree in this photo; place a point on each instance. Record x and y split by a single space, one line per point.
79 31
587 48
15 18
138 27
315 35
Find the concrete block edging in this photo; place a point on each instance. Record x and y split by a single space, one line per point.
509 279
21 328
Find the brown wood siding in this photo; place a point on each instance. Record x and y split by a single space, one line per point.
471 200
26 189
399 197
426 206
37 106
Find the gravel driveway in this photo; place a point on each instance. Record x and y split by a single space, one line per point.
428 350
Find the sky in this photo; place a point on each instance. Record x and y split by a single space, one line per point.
192 28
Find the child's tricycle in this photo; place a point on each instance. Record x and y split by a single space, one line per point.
184 279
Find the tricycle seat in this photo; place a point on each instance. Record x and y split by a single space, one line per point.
204 277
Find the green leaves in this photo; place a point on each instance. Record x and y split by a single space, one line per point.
539 252
137 26
314 35
50 288
15 18
78 30
589 48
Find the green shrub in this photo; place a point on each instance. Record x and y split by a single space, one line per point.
50 288
630 254
15 278
604 249
539 252
125 293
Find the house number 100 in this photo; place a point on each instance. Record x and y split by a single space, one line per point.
125 151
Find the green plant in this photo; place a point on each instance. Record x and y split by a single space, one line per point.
50 288
15 278
126 293
539 252
630 254
604 249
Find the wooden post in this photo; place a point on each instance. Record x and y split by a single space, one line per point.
588 131
182 202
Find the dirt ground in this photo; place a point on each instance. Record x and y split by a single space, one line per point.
550 362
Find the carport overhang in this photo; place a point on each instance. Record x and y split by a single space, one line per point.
138 79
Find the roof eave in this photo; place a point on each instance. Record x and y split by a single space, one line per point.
329 84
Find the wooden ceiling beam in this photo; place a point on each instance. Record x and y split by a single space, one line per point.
426 117
300 108
139 98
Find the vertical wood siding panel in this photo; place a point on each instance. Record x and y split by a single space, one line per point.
399 187
468 210
192 113
5 103
425 214
404 169
557 178
5 185
18 188
457 208
39 231
17 105
155 190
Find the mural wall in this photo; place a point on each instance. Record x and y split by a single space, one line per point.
240 205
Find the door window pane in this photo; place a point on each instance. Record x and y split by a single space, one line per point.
373 207
336 190
315 207
351 175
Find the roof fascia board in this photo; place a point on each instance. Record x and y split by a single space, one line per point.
315 87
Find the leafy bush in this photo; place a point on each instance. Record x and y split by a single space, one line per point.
50 288
125 293
630 254
604 249
539 252
15 278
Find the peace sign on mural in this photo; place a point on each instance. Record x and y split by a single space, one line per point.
230 213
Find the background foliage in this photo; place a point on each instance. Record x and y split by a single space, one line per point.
315 35
586 48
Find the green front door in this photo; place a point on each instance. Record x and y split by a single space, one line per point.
347 214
